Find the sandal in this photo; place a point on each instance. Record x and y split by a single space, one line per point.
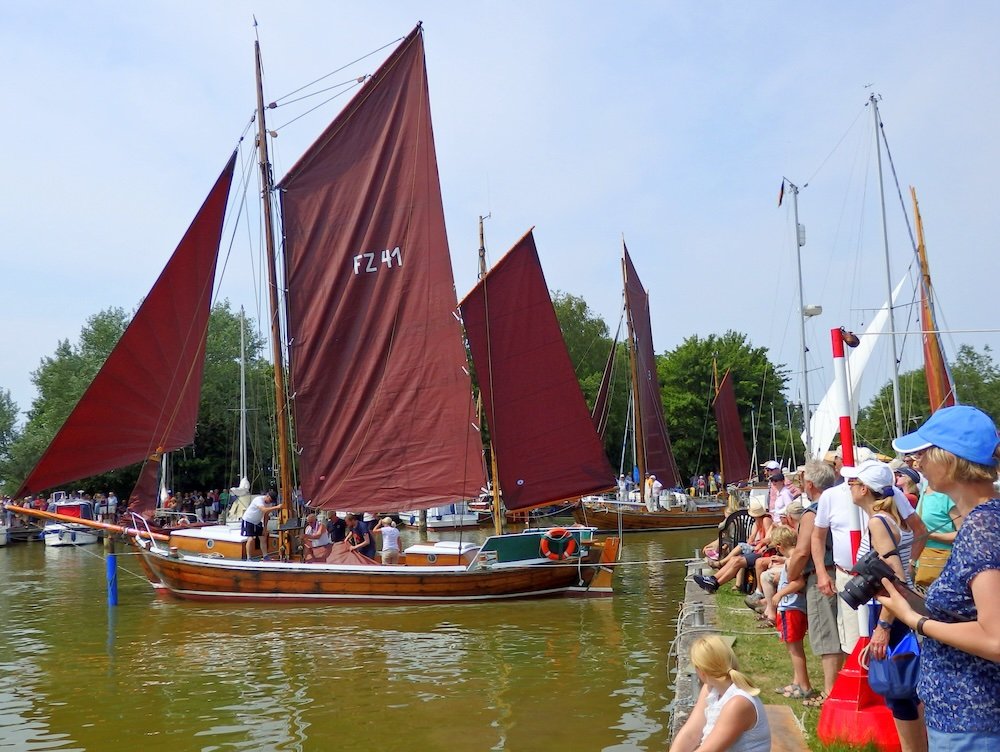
796 693
816 700
785 689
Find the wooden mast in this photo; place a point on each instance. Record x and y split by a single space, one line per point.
497 506
640 439
280 404
940 392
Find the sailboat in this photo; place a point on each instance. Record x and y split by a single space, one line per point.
383 410
734 459
652 450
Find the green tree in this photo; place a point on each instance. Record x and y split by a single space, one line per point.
686 383
8 433
60 380
977 379
588 343
211 461
977 383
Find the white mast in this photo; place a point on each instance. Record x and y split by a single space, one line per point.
800 240
243 397
896 405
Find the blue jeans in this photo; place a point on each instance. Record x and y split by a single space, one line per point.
962 741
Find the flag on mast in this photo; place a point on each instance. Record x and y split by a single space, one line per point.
781 193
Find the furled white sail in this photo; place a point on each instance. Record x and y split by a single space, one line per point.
825 422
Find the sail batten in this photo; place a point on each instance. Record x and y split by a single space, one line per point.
383 405
544 440
153 375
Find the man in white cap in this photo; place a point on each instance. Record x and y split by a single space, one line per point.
622 488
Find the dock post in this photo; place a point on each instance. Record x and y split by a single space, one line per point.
111 570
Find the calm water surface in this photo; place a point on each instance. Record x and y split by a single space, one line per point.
159 674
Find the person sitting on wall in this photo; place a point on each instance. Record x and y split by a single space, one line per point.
745 554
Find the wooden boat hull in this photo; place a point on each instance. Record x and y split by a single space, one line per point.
204 578
606 519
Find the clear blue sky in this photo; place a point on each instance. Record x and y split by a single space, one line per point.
669 122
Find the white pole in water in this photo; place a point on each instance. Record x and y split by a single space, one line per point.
800 240
896 403
243 397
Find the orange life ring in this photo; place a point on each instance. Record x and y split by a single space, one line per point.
558 535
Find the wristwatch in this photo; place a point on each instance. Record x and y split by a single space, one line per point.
884 624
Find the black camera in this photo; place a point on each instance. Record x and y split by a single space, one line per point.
867 580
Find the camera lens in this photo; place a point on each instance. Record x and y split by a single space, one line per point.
857 590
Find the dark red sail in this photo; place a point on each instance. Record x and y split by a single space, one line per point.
145 398
383 403
656 440
733 455
546 447
602 403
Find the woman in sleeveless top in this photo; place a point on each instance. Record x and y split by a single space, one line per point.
728 714
958 451
871 485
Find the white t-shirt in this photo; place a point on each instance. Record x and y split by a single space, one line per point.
255 512
390 538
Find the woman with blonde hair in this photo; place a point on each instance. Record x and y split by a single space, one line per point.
958 452
728 713
871 486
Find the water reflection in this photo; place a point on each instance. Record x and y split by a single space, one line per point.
585 674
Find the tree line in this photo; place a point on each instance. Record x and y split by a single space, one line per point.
685 375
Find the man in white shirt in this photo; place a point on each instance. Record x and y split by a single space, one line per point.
252 523
657 489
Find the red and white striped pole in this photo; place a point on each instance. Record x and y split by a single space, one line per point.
846 429
853 713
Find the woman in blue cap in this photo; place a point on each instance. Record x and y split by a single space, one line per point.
958 451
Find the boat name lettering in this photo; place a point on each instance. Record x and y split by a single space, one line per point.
366 263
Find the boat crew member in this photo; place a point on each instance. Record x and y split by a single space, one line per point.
337 528
359 537
390 540
315 540
252 523
622 488
657 489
